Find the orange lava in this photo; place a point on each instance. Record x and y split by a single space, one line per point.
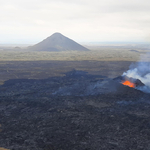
128 83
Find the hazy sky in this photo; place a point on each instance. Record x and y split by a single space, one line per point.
30 21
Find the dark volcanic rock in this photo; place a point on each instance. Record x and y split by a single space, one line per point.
121 79
32 118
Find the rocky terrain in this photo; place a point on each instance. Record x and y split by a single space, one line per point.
78 111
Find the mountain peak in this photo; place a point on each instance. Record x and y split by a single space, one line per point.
58 42
56 34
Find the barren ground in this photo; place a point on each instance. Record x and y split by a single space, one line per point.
108 61
44 105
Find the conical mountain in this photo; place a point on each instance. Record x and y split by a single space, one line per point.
58 42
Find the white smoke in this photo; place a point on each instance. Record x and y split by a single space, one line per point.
141 71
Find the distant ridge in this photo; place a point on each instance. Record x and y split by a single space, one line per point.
57 42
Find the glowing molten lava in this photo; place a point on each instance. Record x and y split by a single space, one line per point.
128 83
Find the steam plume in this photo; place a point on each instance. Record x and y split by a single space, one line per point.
141 71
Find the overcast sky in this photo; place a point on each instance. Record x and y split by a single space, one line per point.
30 21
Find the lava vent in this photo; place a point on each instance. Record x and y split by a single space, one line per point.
127 81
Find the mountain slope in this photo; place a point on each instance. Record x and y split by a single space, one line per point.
58 42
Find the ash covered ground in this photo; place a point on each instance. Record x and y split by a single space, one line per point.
78 111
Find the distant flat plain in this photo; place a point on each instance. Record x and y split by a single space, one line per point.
111 61
97 53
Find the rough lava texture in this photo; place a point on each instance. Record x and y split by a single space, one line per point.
137 82
97 114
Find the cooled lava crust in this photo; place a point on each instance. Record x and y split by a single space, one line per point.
122 79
